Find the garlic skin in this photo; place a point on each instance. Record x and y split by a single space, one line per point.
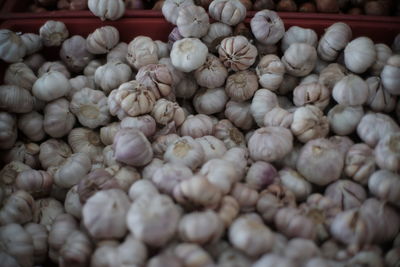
72 204
104 214
320 162
228 12
111 75
17 243
76 250
90 107
379 99
171 8
141 52
374 126
216 33
118 53
299 59
263 101
186 151
297 34
146 124
385 185
153 220
17 208
351 91
8 126
267 27
107 9
50 86
108 132
343 120
309 123
37 183
200 227
197 126
61 228
292 223
21 75
12 47
210 101
102 40
383 53
58 120
387 153
237 53
54 66
359 54
72 170
132 147
24 152
188 54
86 141
296 183
212 73
335 38
157 78
74 54
229 134
15 99
301 250
221 173
270 71
8 175
169 175
311 93
53 33
390 75
239 113
241 85
249 234
192 21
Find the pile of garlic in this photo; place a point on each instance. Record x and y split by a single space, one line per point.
208 150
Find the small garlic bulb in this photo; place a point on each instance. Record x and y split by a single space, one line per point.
162 49
107 9
245 196
241 85
34 61
102 40
229 134
278 117
53 152
237 53
360 54
212 73
267 27
17 208
32 42
343 120
153 220
221 173
146 124
111 75
270 71
309 123
212 147
210 101
12 48
383 53
263 101
216 32
391 75
228 12
142 51
74 54
50 86
197 126
86 141
58 120
240 114
250 235
292 223
335 39
76 250
8 130
72 170
142 188
188 54
297 34
92 66
107 133
37 183
21 75
311 93
15 99
296 183
186 151
169 175
359 163
387 152
90 107
379 99
31 125
171 8
299 59
192 255
72 204
53 33
271 260
46 210
40 245
161 143
165 112
351 91
228 210
192 21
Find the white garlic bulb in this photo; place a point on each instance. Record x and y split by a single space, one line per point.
72 170
8 126
165 111
21 75
86 141
142 188
32 42
169 175
228 12
37 183
335 39
31 125
102 40
270 71
387 152
18 208
53 33
54 66
146 124
216 32
240 114
311 93
197 126
309 123
263 101
142 51
171 8
39 237
12 48
267 27
210 101
111 75
46 210
76 250
383 53
192 21
212 73
391 75
50 86
237 53
58 120
221 173
297 34
379 99
186 151
359 54
299 59
72 204
118 53
15 99
343 120
107 9
188 54
296 183
92 66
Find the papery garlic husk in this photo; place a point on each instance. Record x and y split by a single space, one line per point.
50 86
311 93
210 101
390 75
270 71
249 234
229 134
295 182
346 194
102 40
299 59
188 54
53 66
379 99
76 250
157 78
91 108
58 120
297 34
383 53
343 120
185 150
104 214
278 117
74 54
267 27
263 101
153 220
107 9
350 91
360 54
21 75
237 53
142 51
12 47
53 33
72 170
132 147
216 33
118 53
333 41
170 8
169 175
37 183
197 126
192 21
53 152
374 126
292 223
228 12
72 204
320 162
309 123
387 152
241 85
212 73
112 75
221 173
17 208
86 141
15 99
239 113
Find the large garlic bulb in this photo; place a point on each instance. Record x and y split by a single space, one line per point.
107 9
12 48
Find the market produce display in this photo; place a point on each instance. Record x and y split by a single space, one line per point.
229 144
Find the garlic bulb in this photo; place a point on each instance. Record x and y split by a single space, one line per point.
92 66
76 250
255 237
267 27
292 223
78 83
346 194
153 220
351 91
53 152
157 78
12 48
188 54
141 52
210 101
107 9
216 32
32 42
142 188
169 175
21 75
90 107
379 99
162 49
31 125
335 39
237 53
311 93
46 210
229 134
245 196
221 173
107 133
146 124
161 143
343 120
62 227
383 53
297 34
54 66
17 208
260 175
8 126
192 21
299 59
171 8
278 117
309 123
50 86
270 260
391 75
34 61
118 53
58 120
192 255
240 114
212 73
39 238
36 183
102 40
72 204
228 12
241 85
332 74
74 54
387 154
296 183
86 141
111 75
23 152
270 72
104 214
360 163
360 54
197 126
53 33
15 99
228 210
72 170
320 162
212 147
186 151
